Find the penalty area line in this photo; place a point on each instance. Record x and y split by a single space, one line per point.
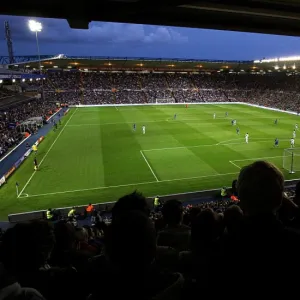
223 143
256 158
131 184
235 164
32 175
149 165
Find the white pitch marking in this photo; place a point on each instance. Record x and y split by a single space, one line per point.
253 139
132 184
182 147
256 158
220 143
23 196
235 164
30 178
224 143
149 165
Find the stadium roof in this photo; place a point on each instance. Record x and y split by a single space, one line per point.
154 64
137 64
266 16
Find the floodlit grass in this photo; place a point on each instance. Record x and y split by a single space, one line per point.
95 156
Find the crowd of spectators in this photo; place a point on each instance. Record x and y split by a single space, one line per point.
272 89
214 249
246 247
10 118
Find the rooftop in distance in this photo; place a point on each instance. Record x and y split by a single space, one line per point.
61 61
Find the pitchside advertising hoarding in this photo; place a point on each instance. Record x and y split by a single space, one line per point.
2 181
19 162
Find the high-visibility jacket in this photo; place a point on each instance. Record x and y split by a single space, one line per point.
234 198
89 208
223 192
71 213
156 201
49 214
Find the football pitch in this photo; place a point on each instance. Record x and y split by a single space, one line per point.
96 156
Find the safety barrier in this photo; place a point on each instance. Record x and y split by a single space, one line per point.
188 197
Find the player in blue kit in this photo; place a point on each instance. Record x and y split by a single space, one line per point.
175 116
134 127
276 142
275 122
238 130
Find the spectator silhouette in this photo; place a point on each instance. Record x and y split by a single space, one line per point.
195 265
133 201
233 219
11 289
130 250
265 252
297 194
175 234
25 252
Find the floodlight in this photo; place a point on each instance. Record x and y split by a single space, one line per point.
35 26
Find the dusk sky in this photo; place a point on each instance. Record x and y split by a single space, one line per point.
116 39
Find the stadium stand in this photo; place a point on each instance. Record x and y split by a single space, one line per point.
248 238
12 115
172 253
274 90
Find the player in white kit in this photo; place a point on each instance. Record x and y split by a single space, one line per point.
144 129
296 127
294 133
214 115
247 138
292 143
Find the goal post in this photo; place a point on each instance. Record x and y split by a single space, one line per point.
164 100
291 160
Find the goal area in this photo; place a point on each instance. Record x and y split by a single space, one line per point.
164 100
291 160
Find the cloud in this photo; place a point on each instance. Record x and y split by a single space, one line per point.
134 40
99 32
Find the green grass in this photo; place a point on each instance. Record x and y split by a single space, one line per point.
96 157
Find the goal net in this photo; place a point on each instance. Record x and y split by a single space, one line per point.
164 100
291 160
